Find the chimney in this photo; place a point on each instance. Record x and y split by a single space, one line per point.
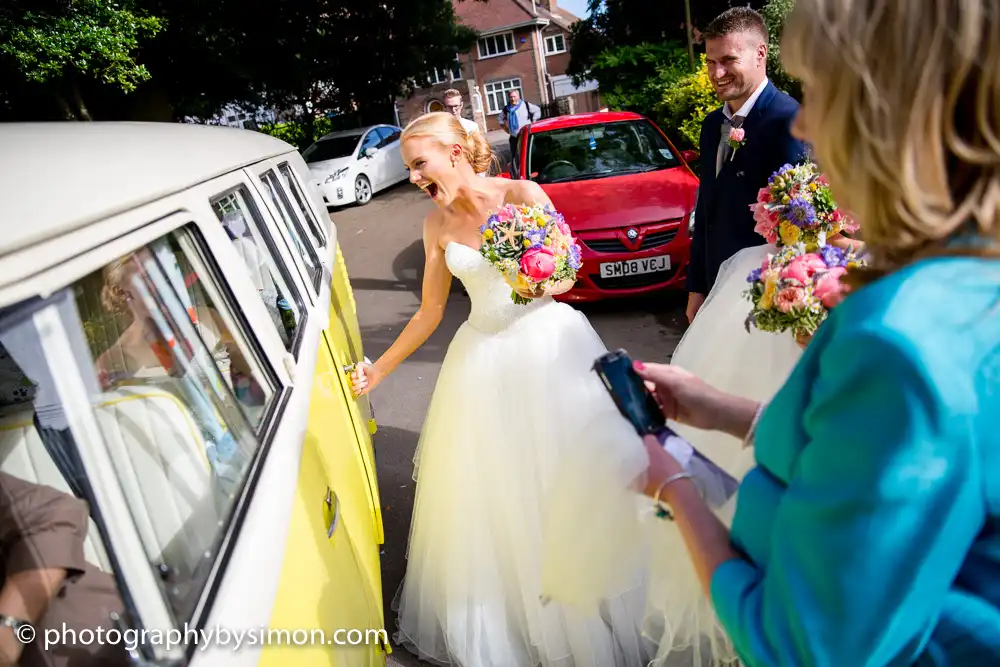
548 5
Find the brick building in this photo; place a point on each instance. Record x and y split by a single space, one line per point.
523 45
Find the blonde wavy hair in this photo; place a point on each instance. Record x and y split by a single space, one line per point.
903 104
446 129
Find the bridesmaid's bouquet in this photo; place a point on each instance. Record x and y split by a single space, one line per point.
532 246
797 207
795 288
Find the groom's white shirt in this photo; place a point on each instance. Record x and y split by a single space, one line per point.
723 150
748 105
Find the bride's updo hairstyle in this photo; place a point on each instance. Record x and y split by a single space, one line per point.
446 129
902 108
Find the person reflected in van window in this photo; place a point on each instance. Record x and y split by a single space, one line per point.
141 352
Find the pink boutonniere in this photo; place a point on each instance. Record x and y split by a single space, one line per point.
737 137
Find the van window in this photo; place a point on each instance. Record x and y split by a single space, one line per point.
293 227
243 224
49 526
177 400
293 185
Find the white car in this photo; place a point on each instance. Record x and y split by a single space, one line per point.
352 165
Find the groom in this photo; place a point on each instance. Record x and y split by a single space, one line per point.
742 144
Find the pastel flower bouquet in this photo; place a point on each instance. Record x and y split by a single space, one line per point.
794 289
797 207
532 246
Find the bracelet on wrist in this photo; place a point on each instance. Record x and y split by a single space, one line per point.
748 439
662 511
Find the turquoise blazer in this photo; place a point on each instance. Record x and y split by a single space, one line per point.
870 528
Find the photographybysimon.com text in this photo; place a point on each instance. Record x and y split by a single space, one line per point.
204 638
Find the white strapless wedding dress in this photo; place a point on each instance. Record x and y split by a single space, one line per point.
718 349
523 471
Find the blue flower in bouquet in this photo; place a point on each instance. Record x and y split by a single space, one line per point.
754 276
574 257
834 256
536 236
801 213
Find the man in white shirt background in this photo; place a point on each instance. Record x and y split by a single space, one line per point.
454 104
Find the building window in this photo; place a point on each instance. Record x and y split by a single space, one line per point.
555 44
496 94
496 45
439 76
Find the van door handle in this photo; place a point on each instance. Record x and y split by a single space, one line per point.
332 505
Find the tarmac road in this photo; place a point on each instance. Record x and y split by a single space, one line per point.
382 247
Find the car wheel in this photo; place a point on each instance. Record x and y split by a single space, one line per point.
362 190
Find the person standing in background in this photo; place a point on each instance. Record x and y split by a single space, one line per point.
454 104
516 115
742 143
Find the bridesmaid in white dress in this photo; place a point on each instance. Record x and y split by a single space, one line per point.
525 547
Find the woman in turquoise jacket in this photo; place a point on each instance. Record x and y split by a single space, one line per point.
868 535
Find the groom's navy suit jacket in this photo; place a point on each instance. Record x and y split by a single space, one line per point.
723 220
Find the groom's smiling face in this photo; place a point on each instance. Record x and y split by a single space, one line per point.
736 65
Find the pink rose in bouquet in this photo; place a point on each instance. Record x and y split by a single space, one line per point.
767 224
538 263
829 289
790 298
737 134
803 268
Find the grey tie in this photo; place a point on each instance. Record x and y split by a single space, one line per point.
724 150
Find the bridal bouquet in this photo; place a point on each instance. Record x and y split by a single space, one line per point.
797 207
532 246
795 288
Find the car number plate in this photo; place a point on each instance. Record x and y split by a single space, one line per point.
634 267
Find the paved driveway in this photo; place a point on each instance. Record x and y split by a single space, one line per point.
384 254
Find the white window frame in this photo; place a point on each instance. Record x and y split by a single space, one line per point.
510 46
439 75
551 39
493 87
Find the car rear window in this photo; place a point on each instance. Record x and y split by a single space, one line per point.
331 149
597 151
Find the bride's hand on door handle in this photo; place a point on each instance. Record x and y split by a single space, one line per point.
364 378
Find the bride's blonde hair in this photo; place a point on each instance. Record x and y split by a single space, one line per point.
903 102
446 129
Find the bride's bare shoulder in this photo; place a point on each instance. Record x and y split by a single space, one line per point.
525 192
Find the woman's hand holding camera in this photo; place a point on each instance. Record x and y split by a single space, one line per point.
687 399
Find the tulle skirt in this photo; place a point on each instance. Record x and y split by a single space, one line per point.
718 349
527 546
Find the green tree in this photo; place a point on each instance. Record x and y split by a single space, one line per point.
58 43
775 12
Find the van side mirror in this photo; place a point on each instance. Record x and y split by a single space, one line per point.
371 151
690 156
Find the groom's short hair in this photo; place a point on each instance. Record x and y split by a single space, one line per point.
737 19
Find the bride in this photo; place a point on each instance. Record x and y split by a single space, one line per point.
525 546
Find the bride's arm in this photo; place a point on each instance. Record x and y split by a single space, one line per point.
436 285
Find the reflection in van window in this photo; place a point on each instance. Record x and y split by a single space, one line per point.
243 224
54 568
174 392
127 343
292 183
293 227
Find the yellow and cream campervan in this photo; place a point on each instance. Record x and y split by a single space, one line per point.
176 330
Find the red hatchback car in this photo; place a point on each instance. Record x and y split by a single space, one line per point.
625 190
